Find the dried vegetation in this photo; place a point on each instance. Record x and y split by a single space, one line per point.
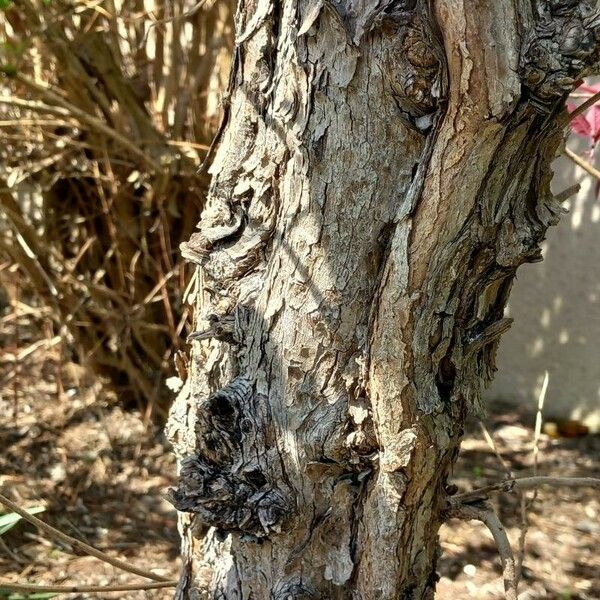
106 111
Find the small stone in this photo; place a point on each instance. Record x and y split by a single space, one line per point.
57 472
470 570
588 527
509 433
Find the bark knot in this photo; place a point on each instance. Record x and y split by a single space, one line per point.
228 483
562 48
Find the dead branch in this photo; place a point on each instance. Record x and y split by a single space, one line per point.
84 158
78 544
30 588
522 500
584 164
87 119
583 107
527 504
485 513
526 483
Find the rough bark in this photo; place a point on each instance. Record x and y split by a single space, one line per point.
383 171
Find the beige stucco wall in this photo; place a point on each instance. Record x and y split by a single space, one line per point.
556 309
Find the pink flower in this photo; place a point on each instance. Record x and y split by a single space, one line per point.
587 124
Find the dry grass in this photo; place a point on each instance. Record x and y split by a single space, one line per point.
106 110
100 472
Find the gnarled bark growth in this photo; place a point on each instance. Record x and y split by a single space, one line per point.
383 171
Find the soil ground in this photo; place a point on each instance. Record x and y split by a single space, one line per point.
101 473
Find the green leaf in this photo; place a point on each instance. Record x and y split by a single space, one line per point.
9 520
5 3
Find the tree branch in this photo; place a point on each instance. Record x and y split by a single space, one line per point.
522 501
583 107
30 588
584 164
485 513
525 483
78 544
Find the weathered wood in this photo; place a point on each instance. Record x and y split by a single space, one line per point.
384 170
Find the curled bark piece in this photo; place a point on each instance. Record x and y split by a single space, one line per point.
221 328
203 242
486 336
226 328
227 500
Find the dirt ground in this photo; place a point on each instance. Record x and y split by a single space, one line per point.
562 561
102 474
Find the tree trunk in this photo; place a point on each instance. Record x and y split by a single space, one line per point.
383 171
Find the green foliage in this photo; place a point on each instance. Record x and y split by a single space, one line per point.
10 53
9 520
8 69
5 4
11 48
478 471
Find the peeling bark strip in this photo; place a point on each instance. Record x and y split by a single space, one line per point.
383 171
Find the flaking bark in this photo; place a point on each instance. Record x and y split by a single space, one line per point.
383 171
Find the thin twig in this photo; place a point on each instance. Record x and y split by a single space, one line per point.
11 554
526 505
35 106
30 588
88 119
538 428
523 508
526 483
584 164
487 436
185 144
23 353
485 513
522 501
188 13
78 544
583 107
36 122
